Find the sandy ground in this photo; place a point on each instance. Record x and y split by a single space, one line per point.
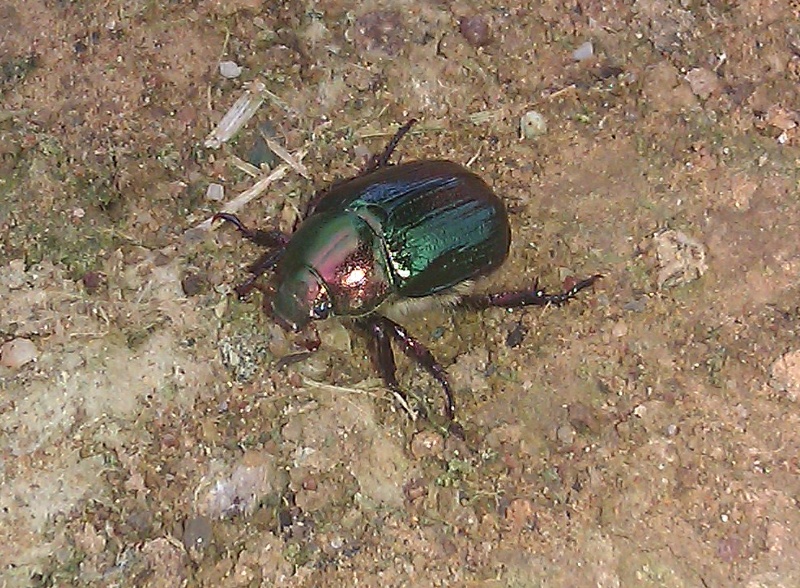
155 431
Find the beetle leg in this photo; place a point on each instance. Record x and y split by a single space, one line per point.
258 268
533 297
384 356
419 353
375 162
272 238
382 160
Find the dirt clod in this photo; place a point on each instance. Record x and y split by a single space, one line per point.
17 352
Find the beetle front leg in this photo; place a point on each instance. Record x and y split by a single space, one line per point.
271 239
533 297
274 240
258 268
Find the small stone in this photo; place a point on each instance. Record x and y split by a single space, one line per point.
197 534
516 335
619 330
17 352
636 305
93 281
230 69
566 434
336 543
14 277
239 488
532 125
475 30
215 192
703 82
584 52
427 444
782 118
334 335
681 258
583 418
785 375
192 284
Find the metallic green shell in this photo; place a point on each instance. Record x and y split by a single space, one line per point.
439 224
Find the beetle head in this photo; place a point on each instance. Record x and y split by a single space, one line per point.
301 297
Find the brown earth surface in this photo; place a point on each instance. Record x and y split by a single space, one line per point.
156 431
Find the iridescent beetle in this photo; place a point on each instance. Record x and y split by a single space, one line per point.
392 233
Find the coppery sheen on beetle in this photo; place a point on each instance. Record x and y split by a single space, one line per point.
394 233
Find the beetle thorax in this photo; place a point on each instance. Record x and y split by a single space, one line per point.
347 256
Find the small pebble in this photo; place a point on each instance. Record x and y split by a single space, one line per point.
681 258
197 533
583 418
566 434
17 352
636 305
532 125
334 335
192 284
475 29
703 82
215 192
620 329
93 281
337 543
427 444
785 375
230 69
516 335
585 51
14 276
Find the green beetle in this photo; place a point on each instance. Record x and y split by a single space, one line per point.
394 233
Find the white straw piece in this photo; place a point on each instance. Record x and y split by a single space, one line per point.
287 157
237 116
254 191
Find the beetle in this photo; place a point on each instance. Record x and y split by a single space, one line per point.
391 235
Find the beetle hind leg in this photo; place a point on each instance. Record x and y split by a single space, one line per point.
532 297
